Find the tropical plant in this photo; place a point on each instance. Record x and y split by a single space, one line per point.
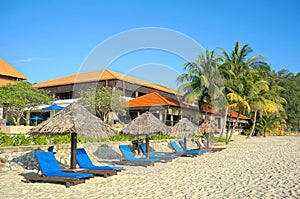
203 83
237 69
101 101
18 97
269 124
291 92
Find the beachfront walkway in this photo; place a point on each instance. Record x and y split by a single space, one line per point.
253 168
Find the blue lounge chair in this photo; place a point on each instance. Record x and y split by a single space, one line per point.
51 171
181 143
187 152
130 159
152 155
85 162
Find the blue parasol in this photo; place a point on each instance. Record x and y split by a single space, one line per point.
36 118
53 107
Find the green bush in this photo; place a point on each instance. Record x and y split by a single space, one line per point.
39 140
6 140
161 137
61 139
118 138
23 140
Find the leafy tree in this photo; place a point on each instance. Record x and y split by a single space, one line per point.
17 97
102 100
291 92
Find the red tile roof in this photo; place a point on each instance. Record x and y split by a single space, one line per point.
155 99
235 115
99 75
8 70
151 99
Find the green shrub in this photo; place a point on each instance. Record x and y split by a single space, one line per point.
39 140
61 139
118 138
161 137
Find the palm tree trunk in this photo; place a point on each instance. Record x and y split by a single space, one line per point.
227 130
233 129
254 122
225 120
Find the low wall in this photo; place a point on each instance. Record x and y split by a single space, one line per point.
22 157
15 129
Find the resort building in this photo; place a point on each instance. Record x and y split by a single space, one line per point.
141 96
8 74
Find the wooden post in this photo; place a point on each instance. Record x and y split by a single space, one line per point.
185 144
207 127
147 146
73 150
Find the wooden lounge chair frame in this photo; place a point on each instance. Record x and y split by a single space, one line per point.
69 181
213 150
104 173
133 163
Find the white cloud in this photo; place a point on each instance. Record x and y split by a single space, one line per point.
32 59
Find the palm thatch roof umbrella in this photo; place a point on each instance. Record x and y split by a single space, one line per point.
206 128
72 120
146 124
185 128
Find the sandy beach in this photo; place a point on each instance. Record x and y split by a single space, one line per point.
248 168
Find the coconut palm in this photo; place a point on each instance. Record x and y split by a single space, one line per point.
266 95
237 70
202 77
203 83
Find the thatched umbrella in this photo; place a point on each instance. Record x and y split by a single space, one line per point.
72 120
185 128
207 127
145 124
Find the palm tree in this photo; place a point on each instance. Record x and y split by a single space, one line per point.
201 77
202 80
238 72
267 98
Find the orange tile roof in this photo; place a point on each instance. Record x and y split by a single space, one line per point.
156 99
235 115
98 76
151 99
8 70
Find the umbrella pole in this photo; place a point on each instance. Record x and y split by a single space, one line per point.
184 141
147 146
73 150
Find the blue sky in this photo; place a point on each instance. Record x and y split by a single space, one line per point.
46 39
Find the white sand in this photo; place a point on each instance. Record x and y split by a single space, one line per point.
249 168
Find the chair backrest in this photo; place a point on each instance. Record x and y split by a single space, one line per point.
83 159
181 143
143 147
48 163
204 142
126 151
199 144
175 147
